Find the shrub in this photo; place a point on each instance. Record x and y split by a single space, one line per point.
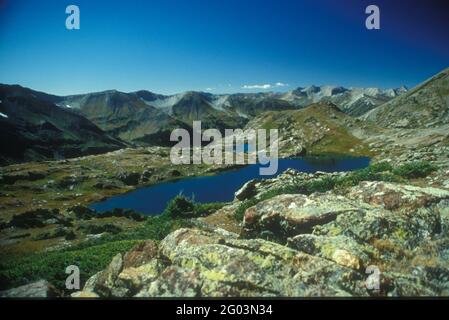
180 206
183 207
415 170
99 228
118 212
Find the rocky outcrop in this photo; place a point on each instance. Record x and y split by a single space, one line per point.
247 191
199 263
324 244
255 188
372 209
290 214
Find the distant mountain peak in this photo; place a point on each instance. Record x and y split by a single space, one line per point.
426 105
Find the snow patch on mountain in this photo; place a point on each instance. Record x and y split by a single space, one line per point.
166 104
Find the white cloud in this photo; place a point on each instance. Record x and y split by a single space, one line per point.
257 86
264 86
209 89
281 84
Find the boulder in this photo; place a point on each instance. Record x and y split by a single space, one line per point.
141 254
247 191
291 214
127 274
393 196
103 282
341 249
39 289
216 263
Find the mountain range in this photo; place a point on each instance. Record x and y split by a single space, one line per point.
32 127
41 126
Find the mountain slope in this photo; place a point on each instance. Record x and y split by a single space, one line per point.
147 118
353 101
197 106
316 128
125 116
427 105
34 128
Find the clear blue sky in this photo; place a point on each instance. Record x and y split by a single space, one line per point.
169 46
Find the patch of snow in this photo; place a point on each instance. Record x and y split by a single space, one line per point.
243 115
220 102
166 104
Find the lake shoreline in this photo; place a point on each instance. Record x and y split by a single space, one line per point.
309 164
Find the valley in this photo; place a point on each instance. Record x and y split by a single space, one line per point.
297 234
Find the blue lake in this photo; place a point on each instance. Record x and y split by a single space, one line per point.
152 200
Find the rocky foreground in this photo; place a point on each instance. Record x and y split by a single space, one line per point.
327 243
293 245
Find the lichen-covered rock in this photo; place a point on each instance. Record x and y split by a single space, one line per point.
236 267
291 214
295 245
141 254
392 196
103 282
404 285
407 230
289 177
341 249
174 282
84 295
199 263
131 280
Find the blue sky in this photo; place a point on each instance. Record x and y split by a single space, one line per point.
169 46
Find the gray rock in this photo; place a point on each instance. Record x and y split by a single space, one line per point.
247 191
292 214
39 289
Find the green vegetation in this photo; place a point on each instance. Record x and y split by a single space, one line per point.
183 207
375 172
179 207
51 265
94 255
415 170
